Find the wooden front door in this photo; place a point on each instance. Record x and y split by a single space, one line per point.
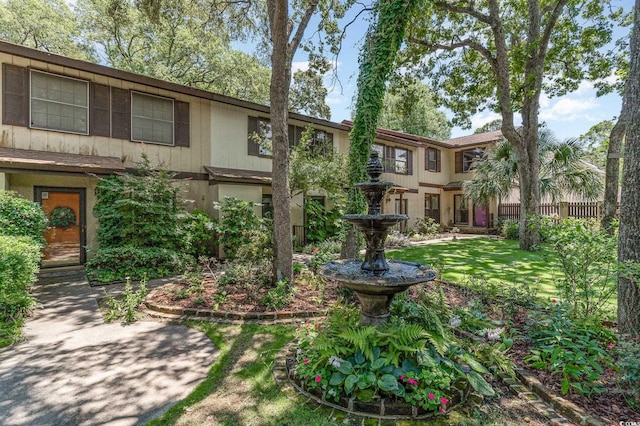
65 209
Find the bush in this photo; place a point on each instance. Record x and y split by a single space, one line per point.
198 233
588 257
126 307
511 229
237 225
19 260
427 226
327 246
321 224
397 239
21 217
245 274
137 263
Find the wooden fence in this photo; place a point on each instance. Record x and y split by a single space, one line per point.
591 209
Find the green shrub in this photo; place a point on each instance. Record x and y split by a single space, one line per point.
21 217
321 224
588 257
245 274
427 226
140 210
19 260
511 229
327 246
280 296
197 233
118 263
237 225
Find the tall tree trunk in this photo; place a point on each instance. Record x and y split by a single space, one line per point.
528 173
628 246
612 177
280 81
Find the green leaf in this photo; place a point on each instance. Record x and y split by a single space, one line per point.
345 367
479 384
475 365
359 357
337 379
566 385
349 383
378 363
388 383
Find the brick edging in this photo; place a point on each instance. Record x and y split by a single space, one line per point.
275 317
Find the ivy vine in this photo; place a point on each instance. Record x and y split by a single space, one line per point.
384 37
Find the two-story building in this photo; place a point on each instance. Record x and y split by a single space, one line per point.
66 123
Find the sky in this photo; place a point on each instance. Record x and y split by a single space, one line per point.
568 116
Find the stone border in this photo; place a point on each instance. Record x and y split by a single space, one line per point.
232 317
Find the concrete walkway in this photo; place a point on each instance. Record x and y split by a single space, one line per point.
73 369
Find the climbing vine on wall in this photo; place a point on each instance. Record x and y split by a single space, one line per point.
384 37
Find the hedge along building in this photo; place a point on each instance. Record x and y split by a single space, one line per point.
66 123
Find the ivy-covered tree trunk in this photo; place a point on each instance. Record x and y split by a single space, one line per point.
280 80
384 38
628 247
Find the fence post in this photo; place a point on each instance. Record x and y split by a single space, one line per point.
563 210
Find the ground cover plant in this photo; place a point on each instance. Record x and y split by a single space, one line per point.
22 224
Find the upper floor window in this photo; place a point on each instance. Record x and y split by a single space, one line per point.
400 160
466 158
260 136
432 160
151 119
379 149
321 141
59 103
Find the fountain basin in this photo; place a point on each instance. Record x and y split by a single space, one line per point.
375 289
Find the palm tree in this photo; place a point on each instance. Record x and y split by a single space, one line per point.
562 171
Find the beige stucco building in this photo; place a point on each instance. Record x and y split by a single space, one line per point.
66 123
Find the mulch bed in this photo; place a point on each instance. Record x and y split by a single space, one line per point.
609 405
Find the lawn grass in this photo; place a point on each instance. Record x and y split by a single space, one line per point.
490 258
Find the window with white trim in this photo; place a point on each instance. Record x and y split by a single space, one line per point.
59 103
151 119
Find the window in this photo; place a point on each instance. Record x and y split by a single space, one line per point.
401 157
259 138
321 142
432 160
432 206
151 119
267 206
59 103
465 159
461 208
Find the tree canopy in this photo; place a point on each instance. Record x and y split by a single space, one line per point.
501 55
409 107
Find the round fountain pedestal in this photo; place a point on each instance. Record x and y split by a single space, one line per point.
376 290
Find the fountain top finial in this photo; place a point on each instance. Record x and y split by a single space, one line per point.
374 166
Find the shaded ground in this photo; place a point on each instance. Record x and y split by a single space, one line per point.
74 369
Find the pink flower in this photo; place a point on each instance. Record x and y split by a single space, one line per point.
402 377
442 410
318 379
554 301
315 251
305 360
611 346
413 382
444 401
316 325
431 396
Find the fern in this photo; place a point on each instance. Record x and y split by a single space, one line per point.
362 338
439 343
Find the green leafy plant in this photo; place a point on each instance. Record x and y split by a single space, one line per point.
62 217
126 306
280 296
588 257
628 353
236 225
21 218
510 229
20 258
321 224
572 350
326 246
197 231
244 274
427 226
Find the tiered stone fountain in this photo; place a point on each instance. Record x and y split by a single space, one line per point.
374 280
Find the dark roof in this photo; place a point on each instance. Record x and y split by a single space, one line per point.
37 55
401 137
453 186
26 159
222 175
475 139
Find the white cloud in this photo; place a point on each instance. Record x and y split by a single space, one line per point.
569 109
299 66
482 118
